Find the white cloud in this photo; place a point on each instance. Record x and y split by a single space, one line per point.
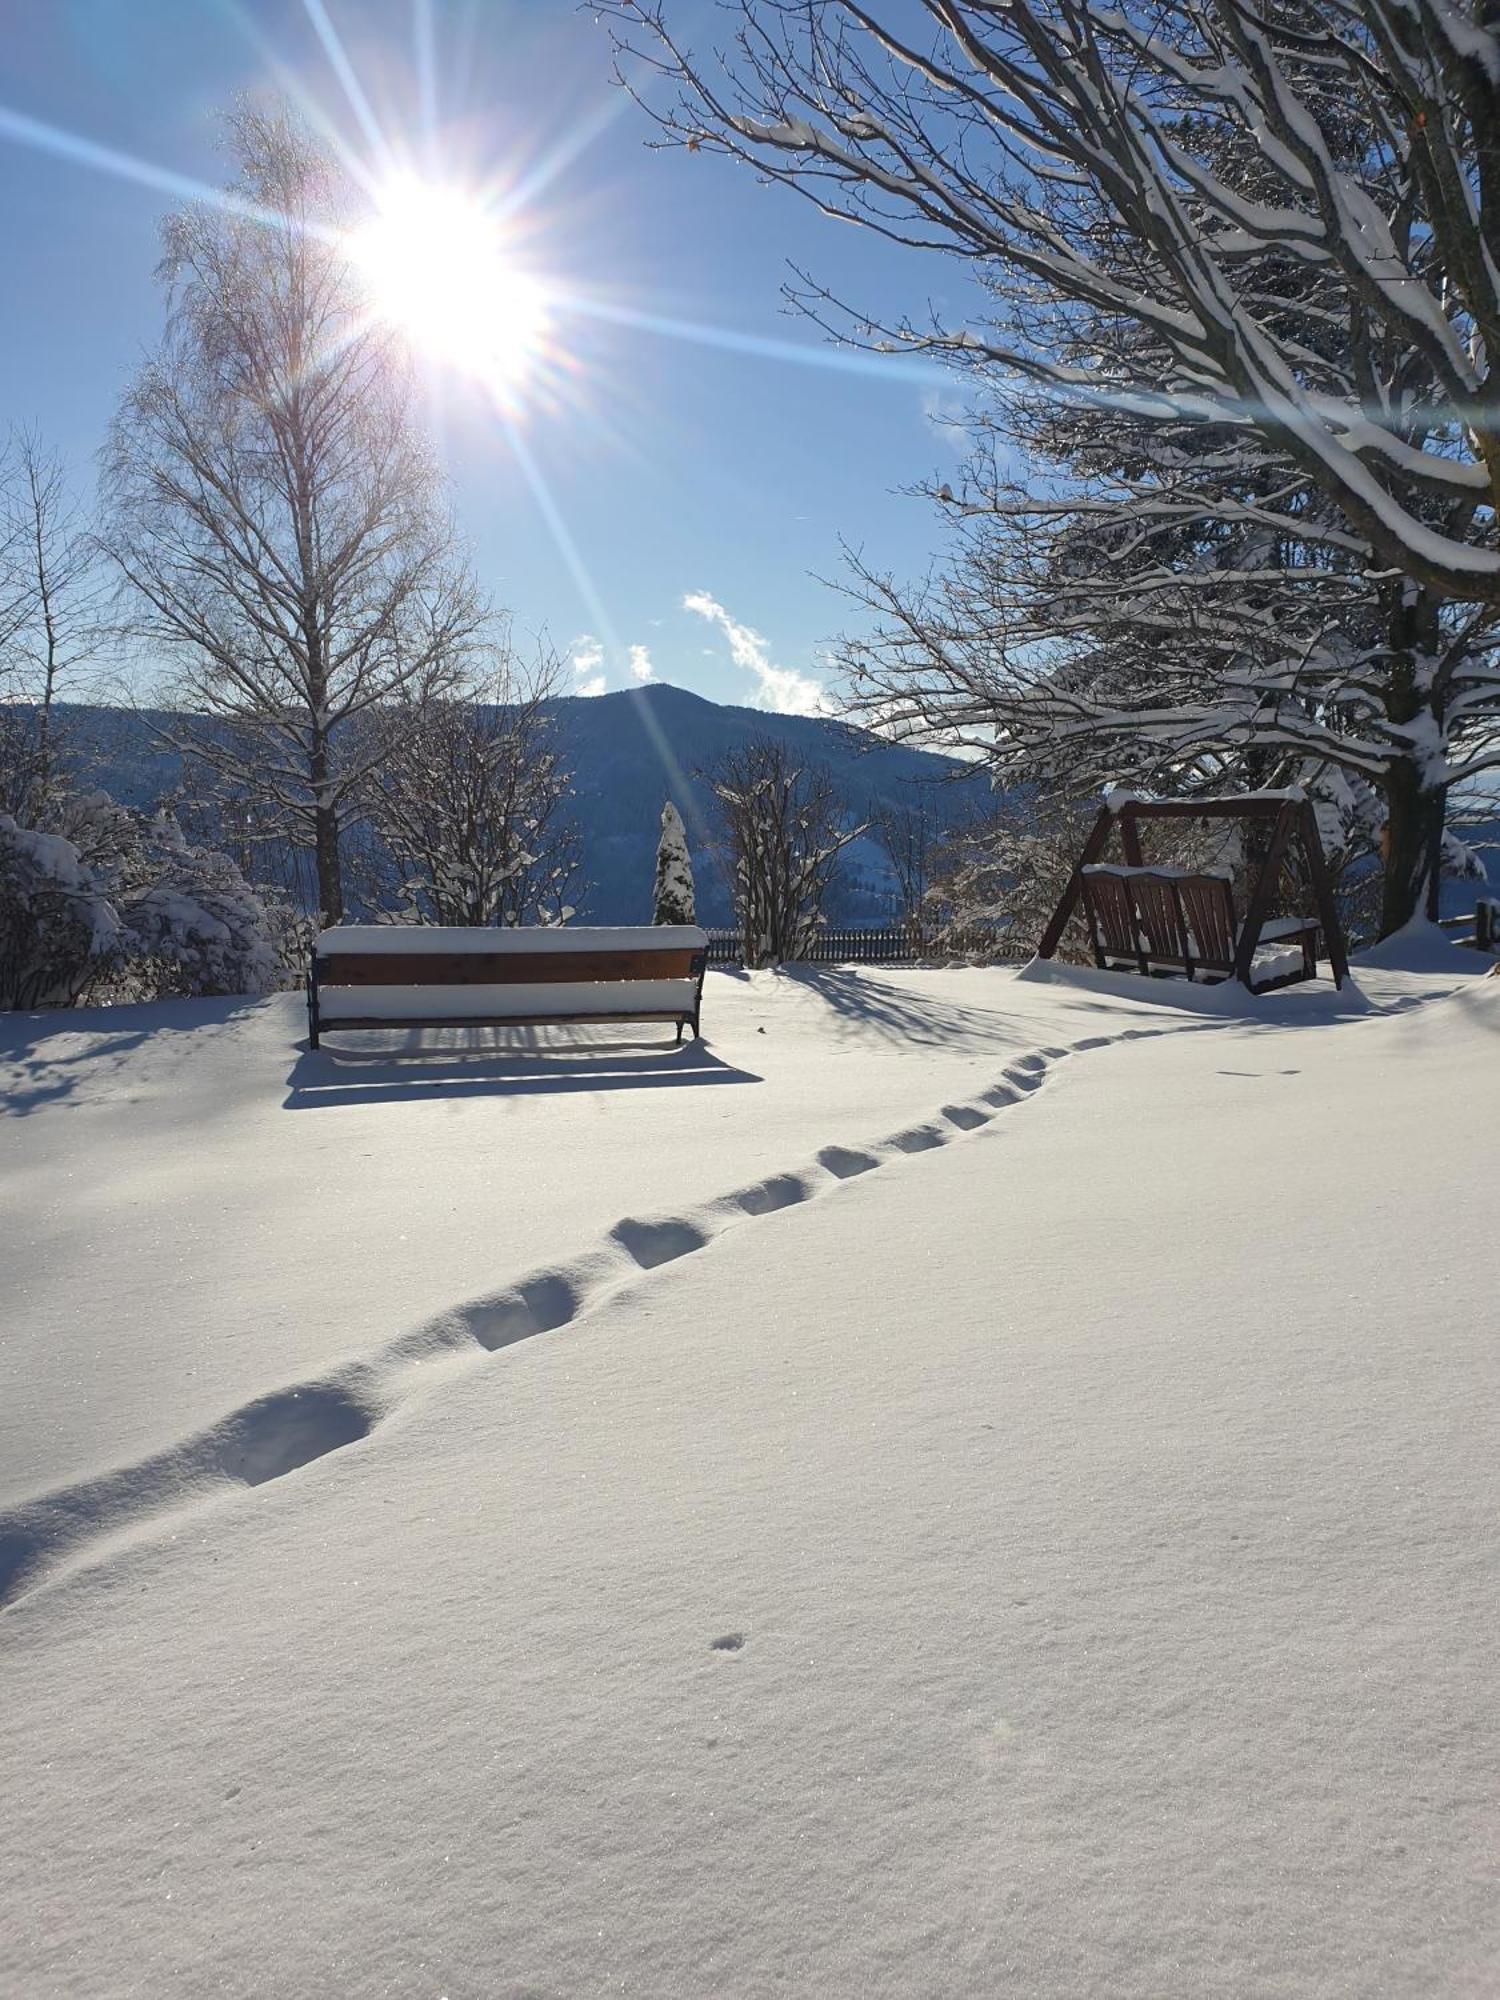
587 654
640 664
783 690
946 413
595 686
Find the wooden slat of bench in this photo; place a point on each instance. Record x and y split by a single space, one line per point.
513 968
331 1023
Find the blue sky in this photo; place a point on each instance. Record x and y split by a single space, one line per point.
694 489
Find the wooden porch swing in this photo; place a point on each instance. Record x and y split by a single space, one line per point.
1162 921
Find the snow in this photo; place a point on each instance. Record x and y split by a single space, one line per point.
52 856
918 1556
244 1188
1269 962
1117 798
1156 874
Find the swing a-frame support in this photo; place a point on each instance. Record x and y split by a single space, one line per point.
1163 920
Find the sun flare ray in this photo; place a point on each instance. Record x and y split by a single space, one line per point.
125 166
343 69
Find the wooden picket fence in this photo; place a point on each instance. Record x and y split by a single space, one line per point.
1481 928
896 944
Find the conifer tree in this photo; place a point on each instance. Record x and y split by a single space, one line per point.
674 871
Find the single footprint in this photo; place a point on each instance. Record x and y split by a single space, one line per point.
919 1139
653 1243
779 1191
967 1117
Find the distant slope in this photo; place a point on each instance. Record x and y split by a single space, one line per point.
631 750
628 752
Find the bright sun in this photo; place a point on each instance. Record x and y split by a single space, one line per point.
438 268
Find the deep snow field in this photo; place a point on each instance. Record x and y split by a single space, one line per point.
959 1484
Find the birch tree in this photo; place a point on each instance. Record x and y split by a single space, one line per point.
272 512
50 617
1331 315
905 833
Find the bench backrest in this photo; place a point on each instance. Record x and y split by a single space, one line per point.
1212 926
1161 916
412 955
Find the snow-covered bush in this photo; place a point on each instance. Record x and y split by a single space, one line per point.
191 924
117 906
674 902
58 927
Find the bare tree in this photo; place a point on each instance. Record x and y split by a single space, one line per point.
1279 223
49 616
471 801
905 834
785 825
273 514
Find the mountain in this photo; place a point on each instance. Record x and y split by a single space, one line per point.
628 752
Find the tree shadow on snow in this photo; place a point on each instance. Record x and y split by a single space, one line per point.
904 1015
48 1056
411 1065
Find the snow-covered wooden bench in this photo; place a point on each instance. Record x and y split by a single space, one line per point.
1170 920
410 976
1183 920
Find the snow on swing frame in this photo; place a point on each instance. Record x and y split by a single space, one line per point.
1162 905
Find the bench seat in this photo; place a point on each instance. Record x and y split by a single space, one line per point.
1278 965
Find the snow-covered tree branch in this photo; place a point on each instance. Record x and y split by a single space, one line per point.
1268 238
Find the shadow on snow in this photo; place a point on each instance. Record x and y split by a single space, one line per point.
493 1062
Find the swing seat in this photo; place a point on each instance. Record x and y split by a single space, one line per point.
1182 921
1172 923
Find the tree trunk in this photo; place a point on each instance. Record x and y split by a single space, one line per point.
326 853
325 836
1416 809
1412 848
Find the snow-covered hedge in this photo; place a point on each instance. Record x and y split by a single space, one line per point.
118 906
192 924
57 926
